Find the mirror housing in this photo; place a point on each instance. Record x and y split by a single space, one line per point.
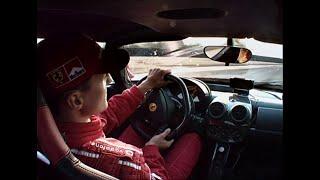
228 54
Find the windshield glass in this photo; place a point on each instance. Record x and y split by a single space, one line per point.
185 58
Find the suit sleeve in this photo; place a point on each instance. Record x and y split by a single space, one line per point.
120 107
155 161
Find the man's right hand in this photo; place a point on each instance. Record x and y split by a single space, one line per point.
160 141
155 79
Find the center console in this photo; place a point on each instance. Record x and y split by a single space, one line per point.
228 121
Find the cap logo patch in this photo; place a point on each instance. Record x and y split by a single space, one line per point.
57 76
74 68
64 74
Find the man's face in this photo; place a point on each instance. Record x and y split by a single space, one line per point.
244 55
95 99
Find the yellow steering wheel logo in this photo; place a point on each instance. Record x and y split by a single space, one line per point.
152 107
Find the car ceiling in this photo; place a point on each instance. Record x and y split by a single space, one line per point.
129 21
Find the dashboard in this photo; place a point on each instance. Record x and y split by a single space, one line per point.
230 117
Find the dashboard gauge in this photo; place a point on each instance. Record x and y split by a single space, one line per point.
198 91
195 99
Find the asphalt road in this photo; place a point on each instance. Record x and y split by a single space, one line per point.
200 67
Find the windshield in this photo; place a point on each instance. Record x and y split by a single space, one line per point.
185 58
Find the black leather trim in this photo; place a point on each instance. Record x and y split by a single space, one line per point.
72 168
40 98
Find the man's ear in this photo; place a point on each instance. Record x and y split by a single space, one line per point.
75 100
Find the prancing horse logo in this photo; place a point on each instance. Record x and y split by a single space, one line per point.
57 76
152 107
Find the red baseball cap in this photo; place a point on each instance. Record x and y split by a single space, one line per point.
66 61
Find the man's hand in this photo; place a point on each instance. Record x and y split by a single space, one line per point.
160 141
154 80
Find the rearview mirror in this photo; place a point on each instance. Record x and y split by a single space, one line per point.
228 54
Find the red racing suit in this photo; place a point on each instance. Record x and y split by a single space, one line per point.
88 142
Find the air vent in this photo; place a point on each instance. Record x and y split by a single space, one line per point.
194 13
217 110
239 113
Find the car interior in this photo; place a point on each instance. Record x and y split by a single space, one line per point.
239 119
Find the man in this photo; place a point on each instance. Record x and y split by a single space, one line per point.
73 79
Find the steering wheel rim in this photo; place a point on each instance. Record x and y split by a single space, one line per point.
187 106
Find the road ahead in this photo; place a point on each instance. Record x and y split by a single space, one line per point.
200 67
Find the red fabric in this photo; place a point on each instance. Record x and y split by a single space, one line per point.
120 107
65 62
131 137
155 161
89 143
184 155
181 158
47 130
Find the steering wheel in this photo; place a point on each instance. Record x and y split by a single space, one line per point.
158 110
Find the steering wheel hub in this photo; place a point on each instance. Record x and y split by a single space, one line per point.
152 107
157 112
